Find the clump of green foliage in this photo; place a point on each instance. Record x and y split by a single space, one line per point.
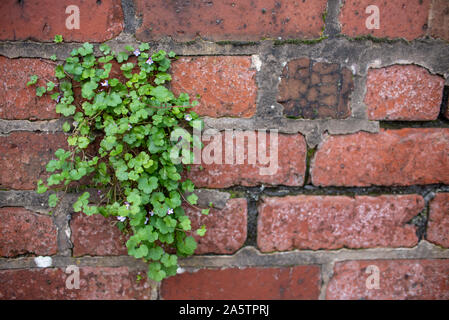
123 143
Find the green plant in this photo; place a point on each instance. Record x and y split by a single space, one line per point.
123 143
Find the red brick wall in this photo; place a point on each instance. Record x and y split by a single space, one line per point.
360 191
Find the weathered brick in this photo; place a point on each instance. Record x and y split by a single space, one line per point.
96 236
226 228
25 232
222 20
300 282
42 20
334 222
439 19
398 279
403 93
226 231
390 157
315 90
438 224
226 84
286 168
24 156
17 101
101 283
398 19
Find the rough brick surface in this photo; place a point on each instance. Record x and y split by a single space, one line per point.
25 232
438 224
230 20
226 228
398 279
403 93
226 231
390 157
17 101
227 85
300 282
287 168
439 19
315 90
42 20
95 283
334 222
398 19
24 156
96 236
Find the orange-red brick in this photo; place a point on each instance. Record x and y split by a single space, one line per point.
42 20
230 20
17 101
96 283
398 280
334 222
226 84
403 93
300 282
25 232
288 168
24 156
388 158
438 224
398 19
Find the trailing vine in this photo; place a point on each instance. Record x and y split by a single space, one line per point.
124 149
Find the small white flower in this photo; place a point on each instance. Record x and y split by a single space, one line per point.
169 211
188 117
130 127
104 83
146 220
75 123
121 219
137 52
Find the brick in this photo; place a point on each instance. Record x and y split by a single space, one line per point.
24 156
222 20
335 222
315 90
439 19
438 223
25 232
226 231
42 20
398 280
102 283
287 168
398 19
96 236
226 228
403 93
388 158
299 282
226 84
17 101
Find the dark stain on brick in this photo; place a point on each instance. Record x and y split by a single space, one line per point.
315 90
